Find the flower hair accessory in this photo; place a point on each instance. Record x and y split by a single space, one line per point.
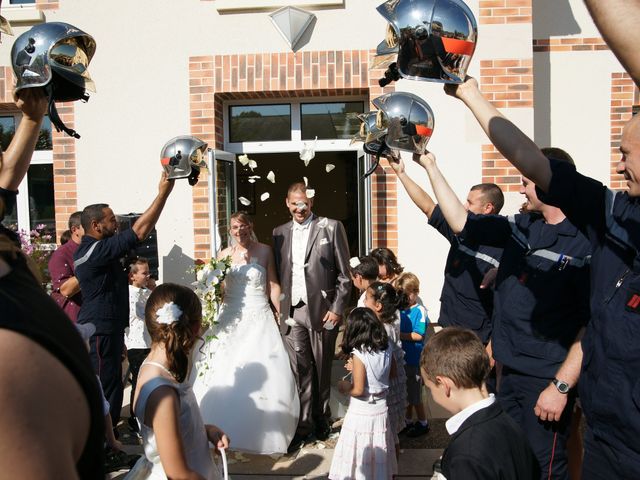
354 262
169 313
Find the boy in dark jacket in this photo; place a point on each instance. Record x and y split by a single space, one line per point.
485 442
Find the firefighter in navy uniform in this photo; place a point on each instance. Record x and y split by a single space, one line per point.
541 305
609 385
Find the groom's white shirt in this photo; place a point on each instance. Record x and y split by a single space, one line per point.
299 240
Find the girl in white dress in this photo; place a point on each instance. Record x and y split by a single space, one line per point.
365 448
243 379
175 439
386 302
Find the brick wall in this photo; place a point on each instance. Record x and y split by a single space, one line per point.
64 169
568 44
47 4
622 99
506 83
216 79
505 11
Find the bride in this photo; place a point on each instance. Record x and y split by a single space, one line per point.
242 380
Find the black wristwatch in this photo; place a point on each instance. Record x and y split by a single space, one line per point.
563 387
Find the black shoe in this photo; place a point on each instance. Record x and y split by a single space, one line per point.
118 460
297 442
407 427
418 430
133 425
322 432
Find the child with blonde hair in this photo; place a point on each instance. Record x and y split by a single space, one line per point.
413 328
175 439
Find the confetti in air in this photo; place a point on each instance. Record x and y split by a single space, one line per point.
310 192
329 167
306 181
252 164
243 159
253 178
308 152
264 196
271 176
245 201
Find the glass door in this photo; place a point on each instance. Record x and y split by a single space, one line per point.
222 192
364 203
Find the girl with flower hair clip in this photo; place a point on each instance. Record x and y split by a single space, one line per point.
175 438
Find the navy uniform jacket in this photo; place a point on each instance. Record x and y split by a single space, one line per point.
462 302
542 289
610 378
489 446
103 281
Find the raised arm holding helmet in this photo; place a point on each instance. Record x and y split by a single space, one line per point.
512 142
618 22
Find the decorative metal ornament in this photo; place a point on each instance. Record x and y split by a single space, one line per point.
292 23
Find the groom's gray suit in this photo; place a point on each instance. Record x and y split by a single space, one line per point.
310 346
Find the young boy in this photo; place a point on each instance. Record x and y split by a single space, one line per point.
137 338
485 442
413 326
364 271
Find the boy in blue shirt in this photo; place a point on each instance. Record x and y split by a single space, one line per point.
413 326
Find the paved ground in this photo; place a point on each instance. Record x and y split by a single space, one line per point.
313 461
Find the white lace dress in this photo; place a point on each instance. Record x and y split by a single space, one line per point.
242 379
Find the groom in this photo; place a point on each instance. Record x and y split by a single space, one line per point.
312 258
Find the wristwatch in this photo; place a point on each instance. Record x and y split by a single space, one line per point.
563 387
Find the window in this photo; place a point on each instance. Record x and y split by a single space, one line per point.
254 123
330 120
35 203
21 2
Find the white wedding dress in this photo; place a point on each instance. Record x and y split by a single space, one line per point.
242 379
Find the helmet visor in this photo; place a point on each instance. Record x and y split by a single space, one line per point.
5 26
198 156
70 58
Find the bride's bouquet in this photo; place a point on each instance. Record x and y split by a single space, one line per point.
208 287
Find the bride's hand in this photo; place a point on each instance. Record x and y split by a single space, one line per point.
217 437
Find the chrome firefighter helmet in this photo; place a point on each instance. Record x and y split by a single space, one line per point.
182 157
55 56
408 119
435 38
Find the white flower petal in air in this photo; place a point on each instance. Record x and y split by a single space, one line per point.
306 181
253 178
308 152
264 196
329 166
244 201
282 296
252 164
290 321
243 159
324 294
271 176
311 193
354 262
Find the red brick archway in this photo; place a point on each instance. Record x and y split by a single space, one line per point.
215 79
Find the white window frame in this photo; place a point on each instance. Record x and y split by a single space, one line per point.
40 157
296 143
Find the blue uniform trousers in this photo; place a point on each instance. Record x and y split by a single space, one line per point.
518 394
106 357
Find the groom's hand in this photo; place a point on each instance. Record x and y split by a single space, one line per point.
332 317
